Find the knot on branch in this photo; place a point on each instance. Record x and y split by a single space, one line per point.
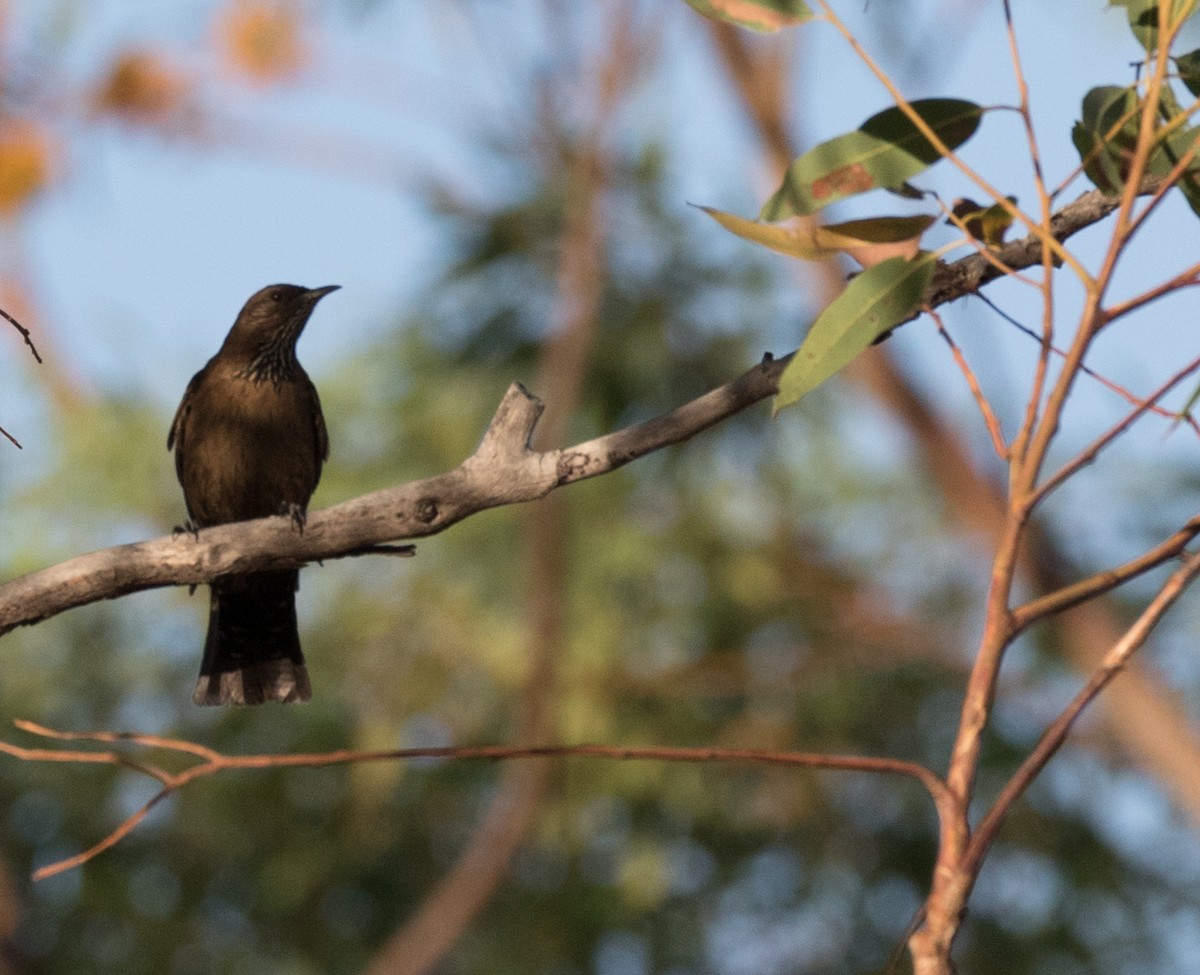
571 466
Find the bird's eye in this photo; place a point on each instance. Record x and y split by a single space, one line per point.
276 295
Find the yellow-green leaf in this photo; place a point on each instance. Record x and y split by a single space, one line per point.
869 241
765 16
795 239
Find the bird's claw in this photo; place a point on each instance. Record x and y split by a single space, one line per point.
297 513
188 527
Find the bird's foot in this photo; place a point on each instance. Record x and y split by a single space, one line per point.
297 513
188 527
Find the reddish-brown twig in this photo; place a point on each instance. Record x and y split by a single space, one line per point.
212 762
1188 278
1102 582
989 415
1089 453
1128 395
1054 736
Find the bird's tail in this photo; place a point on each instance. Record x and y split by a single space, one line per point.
252 652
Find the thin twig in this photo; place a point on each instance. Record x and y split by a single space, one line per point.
1035 156
1102 582
86 758
989 415
1092 451
214 762
1054 736
1188 278
32 348
147 741
1128 395
24 333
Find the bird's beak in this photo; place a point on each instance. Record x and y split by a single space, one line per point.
316 294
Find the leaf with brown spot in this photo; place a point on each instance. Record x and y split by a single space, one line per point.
885 152
846 181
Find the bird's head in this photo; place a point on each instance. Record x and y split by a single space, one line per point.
274 317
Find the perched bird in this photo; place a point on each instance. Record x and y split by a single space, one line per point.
249 442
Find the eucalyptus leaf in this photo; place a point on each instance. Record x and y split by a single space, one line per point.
885 152
1143 17
1188 66
868 240
875 301
1107 134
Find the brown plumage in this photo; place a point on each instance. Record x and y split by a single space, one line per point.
249 442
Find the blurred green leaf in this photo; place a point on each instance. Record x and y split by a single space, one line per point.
886 151
873 302
1106 138
1143 17
1188 66
1106 134
764 16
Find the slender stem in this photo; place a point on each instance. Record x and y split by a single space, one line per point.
981 400
216 762
1054 736
1187 278
1081 591
1092 451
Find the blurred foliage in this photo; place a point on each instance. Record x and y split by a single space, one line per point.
757 587
705 608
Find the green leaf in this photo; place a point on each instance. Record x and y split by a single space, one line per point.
1188 66
1106 138
886 151
764 16
875 301
1143 17
1143 20
1106 135
1176 142
1172 150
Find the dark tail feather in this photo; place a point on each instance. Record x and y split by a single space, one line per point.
252 652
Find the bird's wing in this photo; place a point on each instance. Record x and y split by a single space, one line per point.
319 431
175 437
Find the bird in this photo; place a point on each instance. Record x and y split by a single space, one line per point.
250 440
